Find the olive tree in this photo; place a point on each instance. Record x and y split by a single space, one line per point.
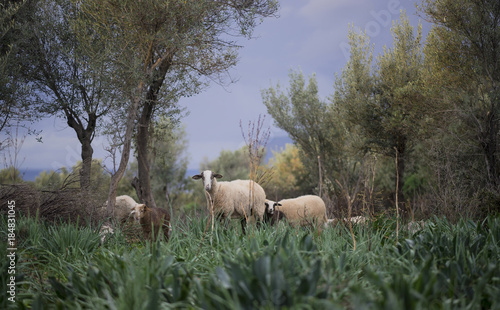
165 49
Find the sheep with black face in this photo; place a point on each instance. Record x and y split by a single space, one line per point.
302 211
271 215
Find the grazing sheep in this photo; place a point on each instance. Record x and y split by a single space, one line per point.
152 219
123 206
106 229
271 215
232 199
355 220
413 226
358 219
303 210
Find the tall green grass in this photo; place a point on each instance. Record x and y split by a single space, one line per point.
442 266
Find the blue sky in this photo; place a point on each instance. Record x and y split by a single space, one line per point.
308 35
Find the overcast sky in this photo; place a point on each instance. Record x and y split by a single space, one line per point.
308 35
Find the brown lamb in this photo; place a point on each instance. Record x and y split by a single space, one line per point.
151 219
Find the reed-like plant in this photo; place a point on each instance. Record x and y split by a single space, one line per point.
441 265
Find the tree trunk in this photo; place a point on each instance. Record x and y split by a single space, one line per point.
142 184
85 136
489 142
86 169
400 167
127 141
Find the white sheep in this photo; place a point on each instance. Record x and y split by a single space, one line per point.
106 229
238 199
123 206
303 210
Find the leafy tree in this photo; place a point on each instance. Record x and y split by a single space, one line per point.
14 96
463 58
10 175
55 180
182 43
51 179
289 178
387 104
308 121
125 185
169 163
66 81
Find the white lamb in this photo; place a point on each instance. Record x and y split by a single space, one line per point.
303 210
123 206
345 220
233 199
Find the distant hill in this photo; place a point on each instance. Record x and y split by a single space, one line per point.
275 144
31 174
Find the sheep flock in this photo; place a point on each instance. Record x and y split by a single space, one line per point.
238 199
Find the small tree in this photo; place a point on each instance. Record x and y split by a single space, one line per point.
309 121
66 81
464 77
289 175
169 163
10 175
384 104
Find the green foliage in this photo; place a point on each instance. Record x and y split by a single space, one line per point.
14 16
442 265
64 241
54 180
51 179
169 164
146 282
10 175
289 176
462 85
308 121
285 276
383 105
232 165
449 268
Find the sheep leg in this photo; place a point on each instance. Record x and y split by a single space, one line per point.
243 225
166 231
156 231
259 221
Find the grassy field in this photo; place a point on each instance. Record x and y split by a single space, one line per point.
443 266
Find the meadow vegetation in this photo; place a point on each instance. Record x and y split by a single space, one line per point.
442 266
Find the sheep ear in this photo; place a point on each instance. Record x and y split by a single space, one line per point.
197 176
278 204
267 204
218 176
